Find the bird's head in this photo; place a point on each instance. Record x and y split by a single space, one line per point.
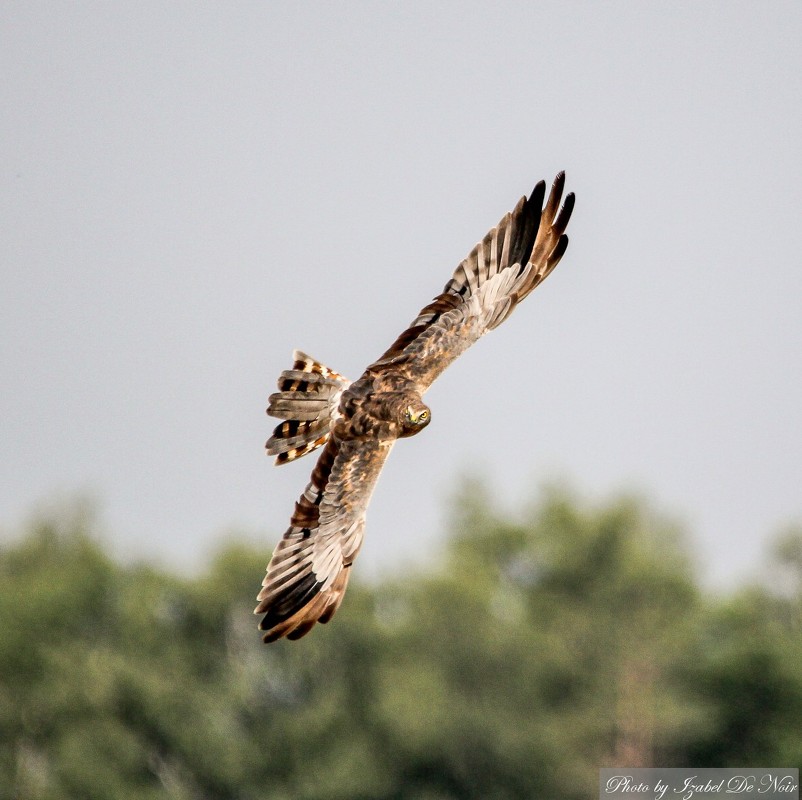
415 418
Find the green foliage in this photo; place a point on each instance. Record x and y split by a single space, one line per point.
752 670
534 651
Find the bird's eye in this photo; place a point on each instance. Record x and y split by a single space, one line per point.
417 417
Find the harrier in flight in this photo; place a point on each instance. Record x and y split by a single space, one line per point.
358 423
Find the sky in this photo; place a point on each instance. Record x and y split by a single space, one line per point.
190 191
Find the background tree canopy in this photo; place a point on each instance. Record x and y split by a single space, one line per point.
534 651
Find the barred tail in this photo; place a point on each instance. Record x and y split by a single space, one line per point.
307 400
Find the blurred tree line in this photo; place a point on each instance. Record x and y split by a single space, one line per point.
530 653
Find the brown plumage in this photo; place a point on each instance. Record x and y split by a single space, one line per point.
358 423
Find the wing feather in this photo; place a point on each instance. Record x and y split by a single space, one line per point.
308 573
504 267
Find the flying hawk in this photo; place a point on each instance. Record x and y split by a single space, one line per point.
358 423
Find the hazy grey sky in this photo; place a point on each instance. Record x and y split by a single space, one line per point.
189 191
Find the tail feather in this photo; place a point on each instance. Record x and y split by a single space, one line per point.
308 400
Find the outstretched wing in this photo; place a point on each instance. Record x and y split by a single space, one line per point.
308 573
514 258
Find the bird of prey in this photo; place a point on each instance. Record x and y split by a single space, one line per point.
358 423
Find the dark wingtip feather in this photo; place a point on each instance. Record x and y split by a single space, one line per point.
286 605
301 630
559 250
553 203
561 223
538 194
527 216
